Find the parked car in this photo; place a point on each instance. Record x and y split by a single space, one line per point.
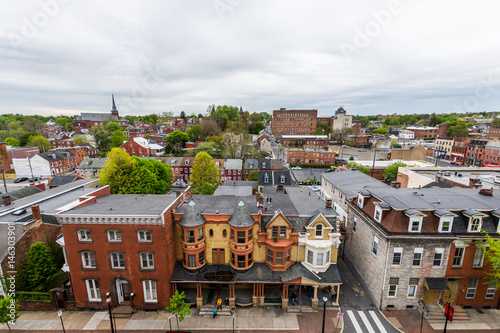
496 180
454 163
21 179
296 168
330 170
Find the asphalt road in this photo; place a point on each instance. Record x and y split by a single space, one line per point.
442 163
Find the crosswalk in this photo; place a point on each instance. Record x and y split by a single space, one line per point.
365 324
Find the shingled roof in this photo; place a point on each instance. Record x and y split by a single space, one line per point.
192 216
241 217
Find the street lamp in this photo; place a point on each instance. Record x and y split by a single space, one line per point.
325 299
108 300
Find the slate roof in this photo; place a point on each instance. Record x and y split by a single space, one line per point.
233 190
192 216
55 155
47 219
233 164
297 270
22 193
92 163
274 178
436 283
307 201
442 212
241 217
351 181
62 180
251 164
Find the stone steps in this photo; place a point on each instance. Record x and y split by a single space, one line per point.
206 311
293 309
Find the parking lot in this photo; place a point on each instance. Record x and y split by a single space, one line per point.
11 186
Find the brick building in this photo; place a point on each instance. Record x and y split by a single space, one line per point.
305 156
475 152
423 132
17 153
233 169
492 153
130 255
87 119
305 141
294 122
141 147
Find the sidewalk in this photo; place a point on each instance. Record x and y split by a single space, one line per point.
248 319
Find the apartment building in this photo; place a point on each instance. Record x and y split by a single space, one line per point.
308 156
294 122
305 141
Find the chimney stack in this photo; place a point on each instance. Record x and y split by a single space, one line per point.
6 200
35 210
328 203
395 184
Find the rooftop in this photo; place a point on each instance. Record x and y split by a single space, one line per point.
306 201
351 181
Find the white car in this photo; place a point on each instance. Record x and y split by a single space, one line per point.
296 168
496 180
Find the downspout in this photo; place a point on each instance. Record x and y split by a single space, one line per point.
385 275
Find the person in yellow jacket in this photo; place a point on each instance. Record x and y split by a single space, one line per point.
219 304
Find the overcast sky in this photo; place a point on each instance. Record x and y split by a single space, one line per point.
67 57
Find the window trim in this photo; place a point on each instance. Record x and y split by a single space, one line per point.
115 231
395 285
88 236
96 286
118 253
481 251
361 200
474 288
417 250
461 257
491 286
439 251
150 282
375 241
441 222
471 224
354 224
151 263
88 253
144 240
412 219
319 227
378 212
397 250
415 291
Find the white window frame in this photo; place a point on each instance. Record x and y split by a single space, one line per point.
266 178
410 286
490 291
142 236
113 234
88 259
471 224
320 255
149 258
361 200
93 288
442 220
472 289
478 258
397 250
354 224
118 255
310 256
418 219
150 291
84 235
461 257
392 288
420 251
374 246
327 260
319 227
378 212
282 179
439 252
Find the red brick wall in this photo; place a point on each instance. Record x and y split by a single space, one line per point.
135 149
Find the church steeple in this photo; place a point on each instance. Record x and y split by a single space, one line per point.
114 110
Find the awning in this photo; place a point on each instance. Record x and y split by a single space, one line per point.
435 283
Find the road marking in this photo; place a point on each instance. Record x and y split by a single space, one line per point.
354 321
366 322
377 321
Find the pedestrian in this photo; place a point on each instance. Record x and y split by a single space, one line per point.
219 304
295 298
214 311
226 302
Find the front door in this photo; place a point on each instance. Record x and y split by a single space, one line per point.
430 296
123 290
218 257
451 295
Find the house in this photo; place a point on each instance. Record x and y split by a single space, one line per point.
227 246
186 166
274 178
17 153
121 244
57 181
45 164
141 147
233 168
250 164
90 167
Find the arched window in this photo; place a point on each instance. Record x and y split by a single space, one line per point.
211 233
319 230
224 233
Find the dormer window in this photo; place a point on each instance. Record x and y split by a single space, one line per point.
266 178
263 165
282 179
445 224
415 224
361 200
378 214
319 230
475 224
186 162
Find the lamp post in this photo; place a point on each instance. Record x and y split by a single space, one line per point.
108 300
325 299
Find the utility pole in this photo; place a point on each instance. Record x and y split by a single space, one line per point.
31 169
3 175
373 166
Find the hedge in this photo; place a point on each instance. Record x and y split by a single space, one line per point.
33 296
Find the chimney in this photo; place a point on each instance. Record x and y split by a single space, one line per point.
328 203
395 184
488 192
35 210
6 200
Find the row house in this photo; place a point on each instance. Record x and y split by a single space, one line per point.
306 141
275 178
306 156
121 246
229 247
262 164
492 132
492 153
475 152
458 151
141 147
90 167
444 146
410 245
52 163
221 164
423 132
81 152
233 169
294 122
181 167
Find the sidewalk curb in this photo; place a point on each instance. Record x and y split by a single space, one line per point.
382 314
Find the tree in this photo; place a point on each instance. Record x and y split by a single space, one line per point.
177 307
256 128
8 311
80 140
117 138
62 121
12 142
133 175
359 167
39 141
253 175
391 171
23 138
323 128
32 124
458 129
177 137
394 143
111 126
204 171
39 269
209 127
207 189
381 131
209 148
69 126
495 123
102 140
194 133
491 250
183 115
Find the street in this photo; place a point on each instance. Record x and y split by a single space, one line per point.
442 163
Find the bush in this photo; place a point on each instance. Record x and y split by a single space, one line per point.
33 296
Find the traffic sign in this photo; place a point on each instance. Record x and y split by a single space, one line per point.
449 311
59 313
340 315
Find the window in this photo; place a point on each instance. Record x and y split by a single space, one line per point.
310 256
93 290
475 224
458 257
375 245
471 290
241 236
438 257
147 260
282 231
88 259
201 258
393 286
354 223
144 236
287 256
397 256
275 232
266 178
282 179
378 214
412 287
150 294
490 292
319 230
478 258
279 258
319 259
270 256
200 234
415 224
327 257
360 201
241 261
191 260
445 225
117 260
114 236
417 256
190 236
84 235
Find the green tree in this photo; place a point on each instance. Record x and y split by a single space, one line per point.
177 307
39 269
359 167
80 140
117 139
209 148
69 126
133 175
183 115
381 131
391 171
491 250
39 141
458 129
24 138
32 124
495 123
207 189
194 133
323 128
62 121
111 126
256 128
204 171
177 137
9 311
253 175
394 143
12 142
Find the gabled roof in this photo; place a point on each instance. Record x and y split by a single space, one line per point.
276 214
55 155
251 164
241 217
192 216
62 180
315 216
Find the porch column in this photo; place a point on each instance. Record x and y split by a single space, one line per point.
335 298
232 298
314 301
255 295
284 298
199 297
261 295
